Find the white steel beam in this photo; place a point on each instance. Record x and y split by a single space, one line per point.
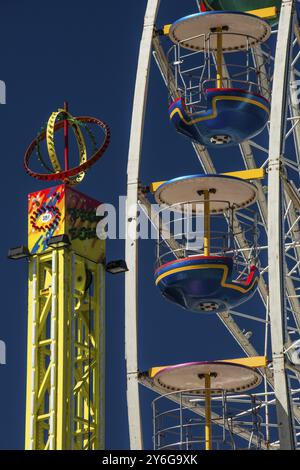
131 246
275 227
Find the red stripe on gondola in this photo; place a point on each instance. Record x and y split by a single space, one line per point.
193 258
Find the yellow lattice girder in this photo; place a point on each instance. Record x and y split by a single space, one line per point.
267 13
65 396
253 174
255 362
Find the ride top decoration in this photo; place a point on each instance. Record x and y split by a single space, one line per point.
65 352
198 264
221 67
57 120
244 5
62 209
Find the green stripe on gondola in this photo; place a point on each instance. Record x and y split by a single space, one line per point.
242 5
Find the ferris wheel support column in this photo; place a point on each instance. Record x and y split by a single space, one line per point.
275 227
131 278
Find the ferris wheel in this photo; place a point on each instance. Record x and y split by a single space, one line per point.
230 70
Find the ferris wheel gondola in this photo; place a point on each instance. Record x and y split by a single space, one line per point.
212 108
203 273
245 5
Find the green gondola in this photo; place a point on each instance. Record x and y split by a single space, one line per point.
242 5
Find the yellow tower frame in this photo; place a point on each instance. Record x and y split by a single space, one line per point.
66 322
66 307
65 358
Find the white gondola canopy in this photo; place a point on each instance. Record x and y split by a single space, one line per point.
225 192
224 376
240 31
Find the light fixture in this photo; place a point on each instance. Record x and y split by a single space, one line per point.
59 241
18 252
116 267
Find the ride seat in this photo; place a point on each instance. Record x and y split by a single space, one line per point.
232 116
205 283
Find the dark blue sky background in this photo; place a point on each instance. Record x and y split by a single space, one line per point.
86 53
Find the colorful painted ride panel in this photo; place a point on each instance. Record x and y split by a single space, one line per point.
205 284
61 210
242 5
232 116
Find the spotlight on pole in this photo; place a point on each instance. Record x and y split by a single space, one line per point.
59 241
18 252
116 267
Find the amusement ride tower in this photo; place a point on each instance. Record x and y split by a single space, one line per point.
66 310
230 68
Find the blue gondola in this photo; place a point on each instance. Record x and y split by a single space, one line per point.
232 116
202 269
222 76
205 284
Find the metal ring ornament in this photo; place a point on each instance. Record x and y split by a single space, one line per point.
51 144
65 175
70 119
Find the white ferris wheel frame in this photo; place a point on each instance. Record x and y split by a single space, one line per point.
272 214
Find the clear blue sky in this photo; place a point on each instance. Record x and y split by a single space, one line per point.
86 53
